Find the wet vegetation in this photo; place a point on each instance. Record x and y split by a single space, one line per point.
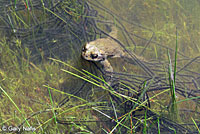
47 87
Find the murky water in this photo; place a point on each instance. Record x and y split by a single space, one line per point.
149 29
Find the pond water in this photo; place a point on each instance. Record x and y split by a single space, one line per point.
44 78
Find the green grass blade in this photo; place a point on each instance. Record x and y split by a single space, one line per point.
145 123
52 105
14 105
158 125
195 124
176 52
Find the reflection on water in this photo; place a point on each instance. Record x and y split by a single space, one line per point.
148 29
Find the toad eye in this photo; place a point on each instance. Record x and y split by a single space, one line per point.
94 56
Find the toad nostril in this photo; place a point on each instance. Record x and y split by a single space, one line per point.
84 49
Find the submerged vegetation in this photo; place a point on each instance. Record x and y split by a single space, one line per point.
47 87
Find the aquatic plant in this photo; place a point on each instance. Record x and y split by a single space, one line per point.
40 50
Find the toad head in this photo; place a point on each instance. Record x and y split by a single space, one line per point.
92 53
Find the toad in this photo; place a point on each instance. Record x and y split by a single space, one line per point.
101 49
